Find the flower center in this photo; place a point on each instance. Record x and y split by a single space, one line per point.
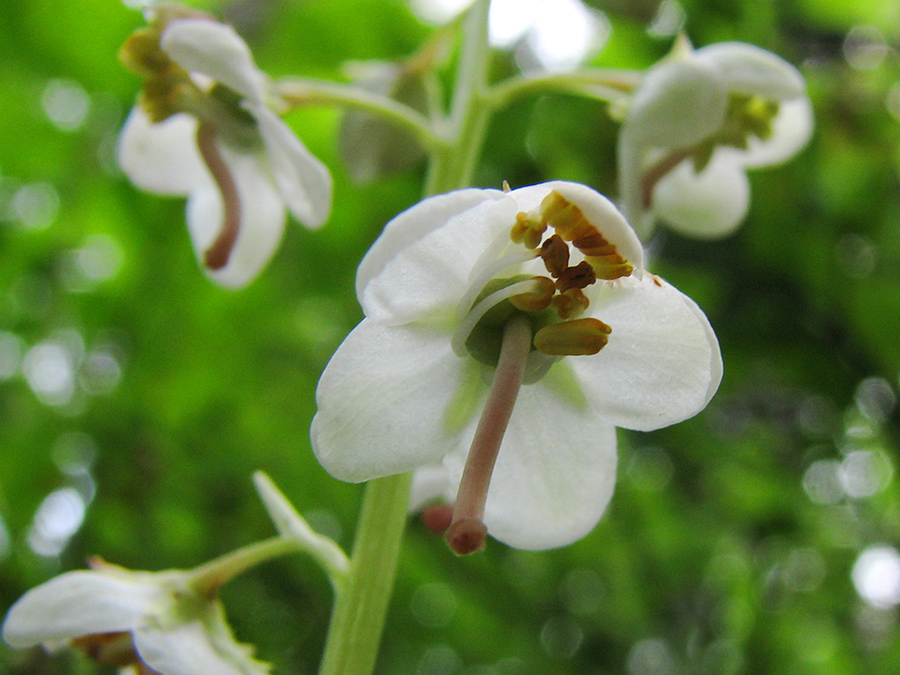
552 303
521 325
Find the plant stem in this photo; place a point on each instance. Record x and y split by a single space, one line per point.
362 601
211 576
359 614
452 166
299 92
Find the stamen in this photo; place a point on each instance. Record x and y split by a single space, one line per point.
580 337
217 255
527 230
570 223
555 254
486 272
470 320
108 649
580 276
467 531
537 299
570 304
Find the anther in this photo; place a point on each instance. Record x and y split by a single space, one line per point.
536 300
555 254
581 275
580 337
527 231
570 304
571 224
217 255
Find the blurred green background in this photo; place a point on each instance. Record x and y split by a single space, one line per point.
137 397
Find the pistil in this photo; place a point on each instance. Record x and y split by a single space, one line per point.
217 255
467 531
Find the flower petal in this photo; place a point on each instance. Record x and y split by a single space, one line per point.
707 205
411 226
196 647
261 221
678 104
791 130
80 603
751 70
162 157
384 401
431 275
304 182
555 472
215 50
662 362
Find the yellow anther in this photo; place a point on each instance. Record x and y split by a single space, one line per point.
555 254
571 224
537 299
570 304
527 231
579 337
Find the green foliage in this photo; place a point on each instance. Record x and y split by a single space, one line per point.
729 545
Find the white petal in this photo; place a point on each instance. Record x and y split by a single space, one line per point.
77 604
751 70
662 363
412 225
431 275
598 210
707 205
215 50
678 104
385 401
196 648
555 472
304 182
162 157
262 219
791 130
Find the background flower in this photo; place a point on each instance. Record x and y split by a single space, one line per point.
697 122
245 172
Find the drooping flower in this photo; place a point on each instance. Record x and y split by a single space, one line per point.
469 295
696 123
203 129
155 621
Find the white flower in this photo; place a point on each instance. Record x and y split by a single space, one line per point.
220 144
696 123
120 618
450 296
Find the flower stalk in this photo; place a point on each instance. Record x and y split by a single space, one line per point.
359 614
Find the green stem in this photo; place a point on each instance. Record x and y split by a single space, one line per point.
362 601
211 576
453 165
299 92
603 83
359 614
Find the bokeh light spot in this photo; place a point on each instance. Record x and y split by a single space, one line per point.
876 576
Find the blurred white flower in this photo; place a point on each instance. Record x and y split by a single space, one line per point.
696 123
203 129
154 620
